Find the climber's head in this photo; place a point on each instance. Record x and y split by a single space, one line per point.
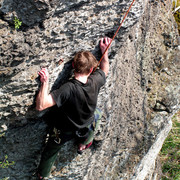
84 62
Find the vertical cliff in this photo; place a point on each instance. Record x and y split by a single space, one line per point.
138 100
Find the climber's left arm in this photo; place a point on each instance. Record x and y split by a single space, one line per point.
44 99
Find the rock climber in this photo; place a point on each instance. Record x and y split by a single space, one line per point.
76 102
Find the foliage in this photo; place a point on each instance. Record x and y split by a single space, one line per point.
170 152
17 23
177 13
2 135
5 163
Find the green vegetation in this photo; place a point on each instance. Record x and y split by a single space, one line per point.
2 135
17 23
170 152
176 4
5 163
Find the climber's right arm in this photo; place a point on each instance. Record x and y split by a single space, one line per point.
104 65
44 99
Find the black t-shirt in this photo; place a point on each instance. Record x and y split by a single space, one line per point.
77 101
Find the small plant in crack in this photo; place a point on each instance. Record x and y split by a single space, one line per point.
17 23
5 163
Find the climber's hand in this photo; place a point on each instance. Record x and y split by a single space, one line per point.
104 42
44 75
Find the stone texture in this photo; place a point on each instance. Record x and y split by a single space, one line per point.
138 100
29 11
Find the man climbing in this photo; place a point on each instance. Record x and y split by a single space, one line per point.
76 102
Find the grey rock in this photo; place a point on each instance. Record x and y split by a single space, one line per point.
29 11
138 100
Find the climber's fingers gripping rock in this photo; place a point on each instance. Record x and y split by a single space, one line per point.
44 75
104 42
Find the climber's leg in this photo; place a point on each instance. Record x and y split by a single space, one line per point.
50 153
87 143
48 158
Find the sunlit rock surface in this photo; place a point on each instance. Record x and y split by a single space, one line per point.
138 100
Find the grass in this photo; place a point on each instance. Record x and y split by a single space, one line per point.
177 14
170 152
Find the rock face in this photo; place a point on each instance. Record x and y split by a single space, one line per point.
140 96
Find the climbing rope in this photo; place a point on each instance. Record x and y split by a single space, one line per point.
114 34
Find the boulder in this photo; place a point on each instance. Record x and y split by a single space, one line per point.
141 94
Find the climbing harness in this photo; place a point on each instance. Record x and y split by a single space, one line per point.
115 34
57 139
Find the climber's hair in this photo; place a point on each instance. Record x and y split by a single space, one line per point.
84 61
